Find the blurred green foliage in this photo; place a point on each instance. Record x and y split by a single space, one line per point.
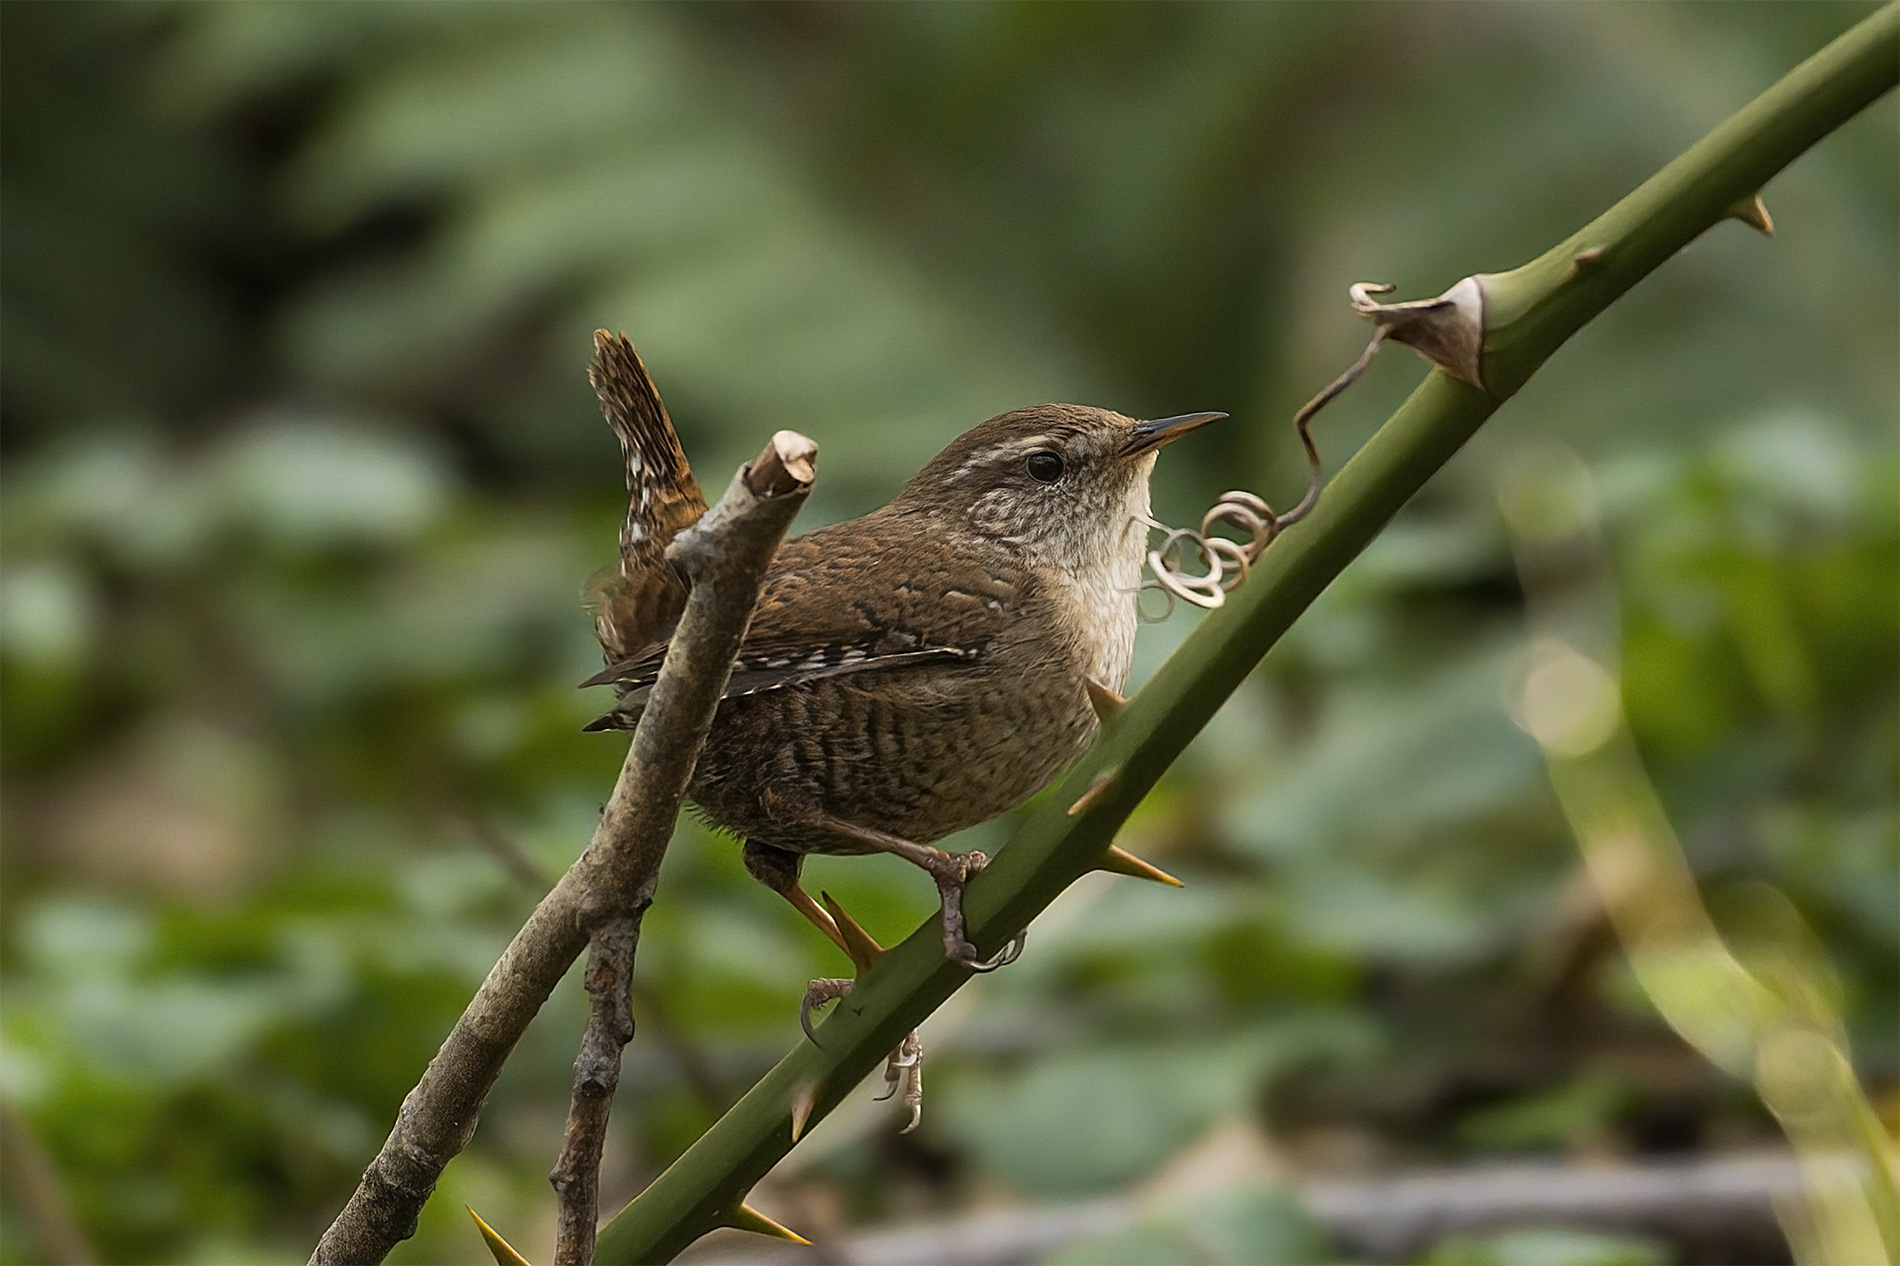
302 480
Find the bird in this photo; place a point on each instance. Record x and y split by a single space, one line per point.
907 674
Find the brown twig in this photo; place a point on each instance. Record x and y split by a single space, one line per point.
725 556
597 1066
692 1061
576 1174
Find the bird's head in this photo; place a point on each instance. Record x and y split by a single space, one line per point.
1063 483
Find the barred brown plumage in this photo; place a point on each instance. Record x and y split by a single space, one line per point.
909 673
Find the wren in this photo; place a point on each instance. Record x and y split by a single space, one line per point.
910 673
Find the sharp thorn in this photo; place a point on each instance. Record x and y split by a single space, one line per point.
746 1218
802 902
863 950
1753 212
1103 784
1120 861
1107 704
802 1104
504 1253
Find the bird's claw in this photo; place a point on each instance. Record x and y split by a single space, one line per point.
817 994
905 1068
1004 957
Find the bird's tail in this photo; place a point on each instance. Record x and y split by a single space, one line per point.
636 606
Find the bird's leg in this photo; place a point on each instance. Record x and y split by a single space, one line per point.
951 871
855 941
778 870
905 1065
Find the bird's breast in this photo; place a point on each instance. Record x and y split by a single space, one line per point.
1098 614
1099 576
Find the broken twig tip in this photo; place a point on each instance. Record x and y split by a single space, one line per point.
797 452
503 1252
786 467
1119 861
746 1218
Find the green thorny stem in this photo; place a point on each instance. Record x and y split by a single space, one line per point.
1527 314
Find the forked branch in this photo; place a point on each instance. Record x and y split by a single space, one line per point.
724 556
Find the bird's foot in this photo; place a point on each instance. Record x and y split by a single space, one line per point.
820 993
854 940
905 1069
952 871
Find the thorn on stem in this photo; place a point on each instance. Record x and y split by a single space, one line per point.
1119 861
1753 212
503 1252
1107 703
1103 784
863 950
746 1218
802 1104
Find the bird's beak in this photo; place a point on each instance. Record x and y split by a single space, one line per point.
1152 435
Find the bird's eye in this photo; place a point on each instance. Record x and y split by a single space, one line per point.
1044 466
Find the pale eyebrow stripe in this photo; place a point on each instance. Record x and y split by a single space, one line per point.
989 457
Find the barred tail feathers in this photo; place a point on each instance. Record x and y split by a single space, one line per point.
640 603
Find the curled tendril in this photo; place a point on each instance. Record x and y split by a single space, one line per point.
1201 567
1218 564
1147 615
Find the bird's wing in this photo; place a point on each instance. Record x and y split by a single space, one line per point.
828 608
